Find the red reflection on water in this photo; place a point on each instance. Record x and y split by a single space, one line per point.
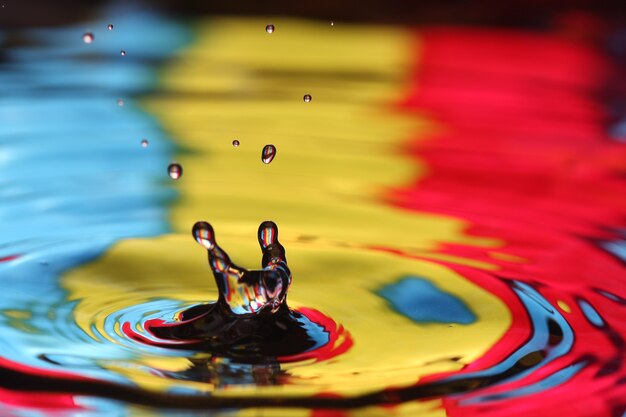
523 156
9 258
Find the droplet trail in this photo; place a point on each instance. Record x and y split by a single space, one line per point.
268 154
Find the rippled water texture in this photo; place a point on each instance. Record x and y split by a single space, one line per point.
450 203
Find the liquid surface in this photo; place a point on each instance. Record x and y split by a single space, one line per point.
452 208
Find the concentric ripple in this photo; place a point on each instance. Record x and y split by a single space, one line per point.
476 270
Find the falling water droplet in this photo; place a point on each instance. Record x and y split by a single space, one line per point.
175 171
204 235
235 143
123 52
110 26
268 154
88 37
120 102
269 28
332 23
307 98
144 143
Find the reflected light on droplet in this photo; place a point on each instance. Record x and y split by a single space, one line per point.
268 154
203 234
175 171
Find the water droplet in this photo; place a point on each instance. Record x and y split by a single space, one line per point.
235 143
204 235
120 102
269 28
144 143
307 98
123 52
110 26
268 154
175 171
88 37
332 23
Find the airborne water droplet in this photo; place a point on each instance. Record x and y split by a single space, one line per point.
307 98
110 26
268 154
332 23
88 37
203 233
269 28
235 143
120 102
175 171
123 53
144 143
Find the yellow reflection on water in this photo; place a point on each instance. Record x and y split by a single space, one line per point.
335 157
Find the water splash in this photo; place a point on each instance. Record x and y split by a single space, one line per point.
250 321
245 291
268 154
566 335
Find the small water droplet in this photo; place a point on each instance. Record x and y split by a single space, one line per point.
123 52
307 98
235 143
144 143
110 26
88 37
120 102
332 23
175 171
204 235
268 154
269 28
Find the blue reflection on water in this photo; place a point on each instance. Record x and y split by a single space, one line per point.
423 302
73 176
541 313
